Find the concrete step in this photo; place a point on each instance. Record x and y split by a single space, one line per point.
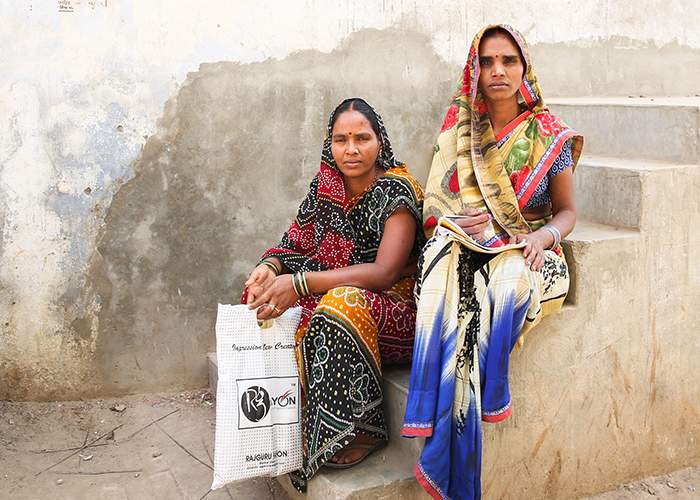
386 474
395 395
593 250
657 128
625 192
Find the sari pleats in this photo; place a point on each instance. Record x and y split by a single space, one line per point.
350 333
452 392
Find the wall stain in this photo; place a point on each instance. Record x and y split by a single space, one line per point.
538 443
82 328
552 485
220 181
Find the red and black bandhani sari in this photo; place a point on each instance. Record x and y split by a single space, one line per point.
347 333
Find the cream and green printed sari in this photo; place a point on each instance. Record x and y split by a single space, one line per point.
474 308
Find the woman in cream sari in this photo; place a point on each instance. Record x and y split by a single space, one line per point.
504 163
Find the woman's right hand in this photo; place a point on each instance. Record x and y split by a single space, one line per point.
259 281
276 299
473 221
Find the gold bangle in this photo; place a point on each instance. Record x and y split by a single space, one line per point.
305 285
269 263
270 266
299 284
295 284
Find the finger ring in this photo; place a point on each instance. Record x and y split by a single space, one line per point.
274 308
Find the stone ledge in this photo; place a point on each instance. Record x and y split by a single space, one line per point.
619 191
666 129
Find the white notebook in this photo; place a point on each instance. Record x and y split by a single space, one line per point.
447 226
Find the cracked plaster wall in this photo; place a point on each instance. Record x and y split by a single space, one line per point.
134 196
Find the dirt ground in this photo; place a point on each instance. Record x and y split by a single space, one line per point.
160 446
679 485
168 459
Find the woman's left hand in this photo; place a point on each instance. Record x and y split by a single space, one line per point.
533 252
276 299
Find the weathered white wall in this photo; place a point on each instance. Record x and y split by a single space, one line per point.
82 91
642 22
605 47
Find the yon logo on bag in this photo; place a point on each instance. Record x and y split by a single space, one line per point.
285 399
255 403
269 401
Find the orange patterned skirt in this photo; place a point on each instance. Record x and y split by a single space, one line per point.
342 340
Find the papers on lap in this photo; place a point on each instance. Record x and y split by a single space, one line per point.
447 226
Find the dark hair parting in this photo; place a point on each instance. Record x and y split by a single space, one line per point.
359 105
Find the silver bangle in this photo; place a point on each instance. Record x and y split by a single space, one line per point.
555 234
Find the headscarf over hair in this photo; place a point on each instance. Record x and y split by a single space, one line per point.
321 236
468 168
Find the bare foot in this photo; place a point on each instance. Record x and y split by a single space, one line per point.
352 452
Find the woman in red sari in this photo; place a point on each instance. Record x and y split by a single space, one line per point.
348 260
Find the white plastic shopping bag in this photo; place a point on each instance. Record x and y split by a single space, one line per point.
258 397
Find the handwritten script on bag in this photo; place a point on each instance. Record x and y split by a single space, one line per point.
261 347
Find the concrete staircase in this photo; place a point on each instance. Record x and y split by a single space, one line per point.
596 388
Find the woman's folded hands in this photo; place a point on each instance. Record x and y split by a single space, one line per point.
272 298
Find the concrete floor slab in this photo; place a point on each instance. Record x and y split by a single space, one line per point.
142 466
31 434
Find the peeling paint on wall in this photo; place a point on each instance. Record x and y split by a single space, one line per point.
220 181
216 185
